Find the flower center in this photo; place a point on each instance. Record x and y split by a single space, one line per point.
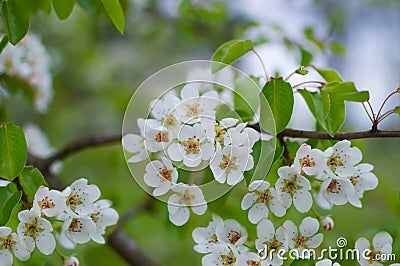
264 196
374 256
334 161
334 187
75 226
186 198
299 241
32 229
73 200
307 161
166 173
46 203
7 242
169 121
354 179
228 164
219 133
229 259
95 217
273 245
213 239
253 263
162 137
192 145
234 236
193 110
290 186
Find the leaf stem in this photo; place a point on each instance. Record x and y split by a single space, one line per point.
309 82
262 64
384 102
366 111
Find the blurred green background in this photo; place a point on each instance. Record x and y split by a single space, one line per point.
96 71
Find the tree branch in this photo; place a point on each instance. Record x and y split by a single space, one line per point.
369 134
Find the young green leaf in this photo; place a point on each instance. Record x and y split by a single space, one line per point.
336 114
115 12
306 57
31 179
12 151
63 8
16 18
279 95
396 110
8 201
329 74
314 103
229 52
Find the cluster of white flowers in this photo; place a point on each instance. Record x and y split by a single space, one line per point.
226 242
30 62
332 176
185 130
73 215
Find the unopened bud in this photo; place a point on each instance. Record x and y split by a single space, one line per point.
71 261
327 223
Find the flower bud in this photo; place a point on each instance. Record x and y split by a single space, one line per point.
327 223
71 261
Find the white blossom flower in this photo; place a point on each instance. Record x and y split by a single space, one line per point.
35 229
217 129
293 187
380 250
163 111
271 241
10 241
231 232
221 255
71 261
103 216
310 161
48 202
206 236
157 139
192 106
306 237
193 146
240 139
161 175
363 179
336 191
341 158
327 223
185 196
134 143
249 258
326 262
80 197
37 142
260 196
229 167
76 230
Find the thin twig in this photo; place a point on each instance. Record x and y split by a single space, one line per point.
366 111
262 64
384 102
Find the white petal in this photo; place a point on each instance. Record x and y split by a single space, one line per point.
381 239
46 243
265 230
6 258
309 226
315 241
248 200
132 143
302 201
180 217
174 152
257 212
199 209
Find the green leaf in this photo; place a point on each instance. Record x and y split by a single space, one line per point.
31 179
37 5
246 98
396 110
8 201
264 154
314 103
12 151
336 114
3 43
306 57
358 96
229 52
329 74
16 18
63 8
301 71
279 95
114 11
89 5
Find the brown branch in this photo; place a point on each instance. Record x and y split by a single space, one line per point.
369 134
80 145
